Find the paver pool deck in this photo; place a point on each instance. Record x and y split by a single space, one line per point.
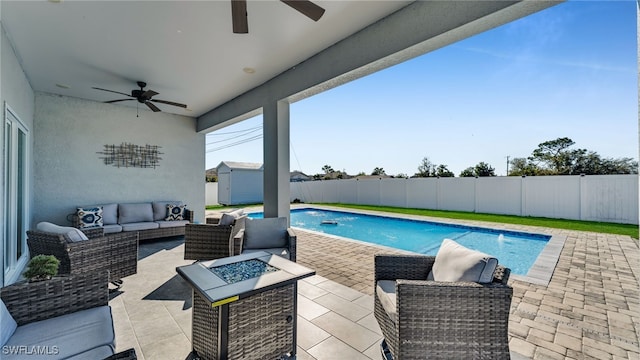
589 310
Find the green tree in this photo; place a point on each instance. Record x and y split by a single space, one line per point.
327 169
426 168
523 167
555 157
378 171
468 172
443 171
429 169
483 169
402 176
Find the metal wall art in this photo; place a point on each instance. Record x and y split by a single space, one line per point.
131 155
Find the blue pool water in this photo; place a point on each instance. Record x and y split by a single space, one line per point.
515 250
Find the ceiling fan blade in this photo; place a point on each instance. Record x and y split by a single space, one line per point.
112 101
306 7
149 94
117 92
169 103
152 107
239 16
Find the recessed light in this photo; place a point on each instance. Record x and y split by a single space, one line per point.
249 70
63 86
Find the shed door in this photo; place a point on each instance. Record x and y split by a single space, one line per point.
224 188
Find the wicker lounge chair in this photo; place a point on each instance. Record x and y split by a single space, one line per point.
210 241
442 320
39 305
271 235
117 253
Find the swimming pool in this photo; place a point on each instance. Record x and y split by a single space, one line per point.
516 250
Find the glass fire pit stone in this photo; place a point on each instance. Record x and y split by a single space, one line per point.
243 270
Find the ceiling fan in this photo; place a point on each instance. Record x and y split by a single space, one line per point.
239 12
143 96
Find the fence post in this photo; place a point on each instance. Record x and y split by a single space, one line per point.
523 195
582 202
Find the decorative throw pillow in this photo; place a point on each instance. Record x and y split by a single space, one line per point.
175 212
90 217
455 262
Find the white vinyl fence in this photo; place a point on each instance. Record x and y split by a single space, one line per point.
609 198
211 193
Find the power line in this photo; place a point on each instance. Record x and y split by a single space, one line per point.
234 137
256 137
235 132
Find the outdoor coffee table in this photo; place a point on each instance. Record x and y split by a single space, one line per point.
244 307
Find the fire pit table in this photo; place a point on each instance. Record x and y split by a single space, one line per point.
244 307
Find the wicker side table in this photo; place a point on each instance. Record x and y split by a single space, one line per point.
252 318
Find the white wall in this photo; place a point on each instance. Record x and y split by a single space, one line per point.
69 133
15 91
610 198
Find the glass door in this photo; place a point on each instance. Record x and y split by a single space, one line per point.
16 196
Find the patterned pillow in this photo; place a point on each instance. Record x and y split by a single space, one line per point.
175 212
90 217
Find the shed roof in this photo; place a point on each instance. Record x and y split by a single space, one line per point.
237 165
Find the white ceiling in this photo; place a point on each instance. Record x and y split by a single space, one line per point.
184 50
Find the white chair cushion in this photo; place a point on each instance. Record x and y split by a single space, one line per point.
455 262
265 233
72 233
7 324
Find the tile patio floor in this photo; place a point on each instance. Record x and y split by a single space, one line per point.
589 310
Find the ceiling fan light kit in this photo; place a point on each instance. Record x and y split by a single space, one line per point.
143 97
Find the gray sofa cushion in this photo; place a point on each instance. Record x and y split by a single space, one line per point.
173 223
455 262
71 233
135 213
7 324
265 233
109 214
140 226
160 209
386 293
110 229
70 334
284 252
230 217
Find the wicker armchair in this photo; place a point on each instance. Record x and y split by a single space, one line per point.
210 241
32 302
442 320
117 253
270 234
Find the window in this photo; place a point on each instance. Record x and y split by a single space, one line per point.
16 196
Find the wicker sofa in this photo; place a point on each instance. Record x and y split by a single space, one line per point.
65 317
151 220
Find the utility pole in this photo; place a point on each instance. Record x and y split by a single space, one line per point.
507 165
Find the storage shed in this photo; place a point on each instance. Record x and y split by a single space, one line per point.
240 183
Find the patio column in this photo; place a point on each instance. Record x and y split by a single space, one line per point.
276 159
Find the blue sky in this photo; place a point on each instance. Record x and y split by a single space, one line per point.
568 71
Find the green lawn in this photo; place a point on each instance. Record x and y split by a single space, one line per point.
601 227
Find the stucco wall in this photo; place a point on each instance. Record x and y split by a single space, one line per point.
69 172
15 91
